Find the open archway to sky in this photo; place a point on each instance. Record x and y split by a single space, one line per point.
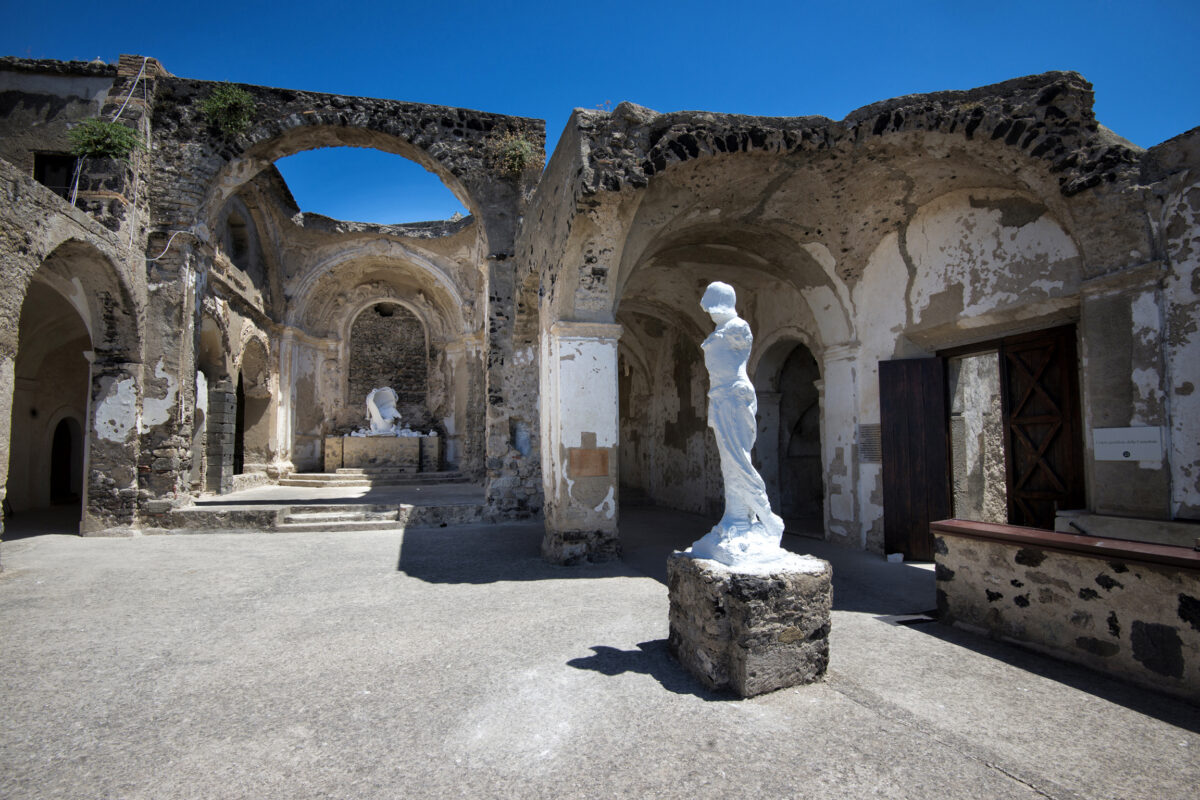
364 185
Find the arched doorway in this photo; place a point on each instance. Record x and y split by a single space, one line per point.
801 483
66 463
46 450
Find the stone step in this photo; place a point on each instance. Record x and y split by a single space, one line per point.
348 525
319 479
331 515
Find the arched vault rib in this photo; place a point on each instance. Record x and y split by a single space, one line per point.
409 275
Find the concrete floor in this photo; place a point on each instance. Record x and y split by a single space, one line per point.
454 662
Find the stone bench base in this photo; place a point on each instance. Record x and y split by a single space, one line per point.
750 633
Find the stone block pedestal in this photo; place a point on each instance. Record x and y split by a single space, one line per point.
750 632
404 453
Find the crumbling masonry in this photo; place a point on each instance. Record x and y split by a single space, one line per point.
184 328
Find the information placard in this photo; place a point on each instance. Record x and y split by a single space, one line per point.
1127 444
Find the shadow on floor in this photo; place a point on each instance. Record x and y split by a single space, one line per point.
61 519
652 658
490 553
1150 702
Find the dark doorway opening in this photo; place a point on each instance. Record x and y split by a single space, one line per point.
801 485
239 429
66 463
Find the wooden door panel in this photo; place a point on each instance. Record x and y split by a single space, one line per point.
1043 447
916 483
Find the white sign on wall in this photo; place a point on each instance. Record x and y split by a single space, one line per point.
1127 444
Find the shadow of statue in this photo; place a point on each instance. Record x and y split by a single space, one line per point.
652 658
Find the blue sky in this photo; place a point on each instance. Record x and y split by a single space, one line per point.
543 59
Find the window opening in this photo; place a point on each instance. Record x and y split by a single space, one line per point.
54 171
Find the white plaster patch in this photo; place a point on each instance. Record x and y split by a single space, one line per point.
1146 385
1146 315
959 247
609 504
116 413
587 385
157 410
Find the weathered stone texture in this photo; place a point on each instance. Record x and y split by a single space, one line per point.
749 633
1136 620
387 348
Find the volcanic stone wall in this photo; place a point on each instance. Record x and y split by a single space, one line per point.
387 348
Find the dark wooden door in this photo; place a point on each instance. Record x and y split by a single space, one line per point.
916 482
1043 444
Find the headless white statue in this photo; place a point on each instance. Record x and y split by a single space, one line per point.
381 407
749 532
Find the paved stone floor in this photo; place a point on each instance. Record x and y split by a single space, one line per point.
454 663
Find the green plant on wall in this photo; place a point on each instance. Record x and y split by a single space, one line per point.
229 109
514 152
95 138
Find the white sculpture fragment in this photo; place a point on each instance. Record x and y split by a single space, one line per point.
749 532
381 408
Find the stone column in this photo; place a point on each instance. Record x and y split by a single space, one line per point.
579 441
283 416
110 462
222 409
840 464
766 447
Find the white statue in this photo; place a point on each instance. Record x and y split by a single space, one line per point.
381 408
749 533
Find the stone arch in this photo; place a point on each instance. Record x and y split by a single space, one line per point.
450 142
388 270
99 292
83 331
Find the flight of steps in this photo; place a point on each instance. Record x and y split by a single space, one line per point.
370 476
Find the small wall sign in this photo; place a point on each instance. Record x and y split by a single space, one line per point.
1127 444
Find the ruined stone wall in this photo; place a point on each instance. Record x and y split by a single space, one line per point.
387 348
41 100
41 235
1133 619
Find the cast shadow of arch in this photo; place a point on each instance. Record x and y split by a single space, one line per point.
652 658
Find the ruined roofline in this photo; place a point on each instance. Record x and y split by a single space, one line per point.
48 66
430 229
639 114
1048 116
531 124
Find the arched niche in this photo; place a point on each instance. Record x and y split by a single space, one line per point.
387 345
254 448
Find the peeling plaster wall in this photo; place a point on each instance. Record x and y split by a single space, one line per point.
1181 310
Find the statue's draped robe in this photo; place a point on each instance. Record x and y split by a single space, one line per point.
732 404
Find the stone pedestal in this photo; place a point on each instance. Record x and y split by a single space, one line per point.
403 453
750 632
